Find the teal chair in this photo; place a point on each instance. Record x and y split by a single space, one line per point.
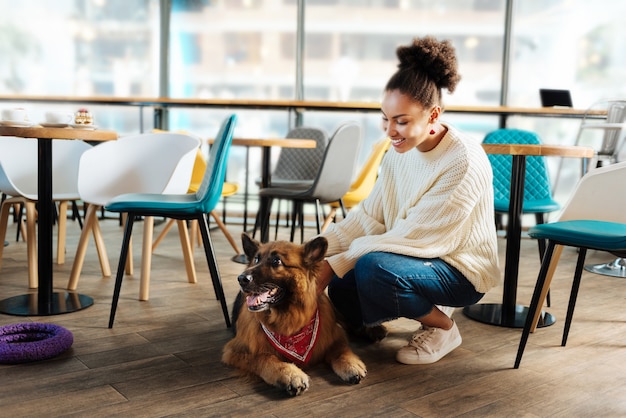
593 219
537 192
191 206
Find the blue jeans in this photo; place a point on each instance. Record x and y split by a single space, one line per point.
385 286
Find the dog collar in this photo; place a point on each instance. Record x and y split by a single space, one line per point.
299 346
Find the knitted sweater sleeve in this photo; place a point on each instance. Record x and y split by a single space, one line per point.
437 204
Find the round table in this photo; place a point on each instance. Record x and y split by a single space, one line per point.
46 301
508 313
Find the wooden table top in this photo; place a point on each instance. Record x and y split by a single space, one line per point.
543 150
58 133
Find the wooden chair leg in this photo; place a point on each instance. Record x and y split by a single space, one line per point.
31 245
187 248
128 230
166 229
146 258
329 218
61 232
554 261
194 235
129 259
227 234
100 247
81 249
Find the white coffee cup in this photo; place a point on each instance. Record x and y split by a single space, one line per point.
15 115
59 116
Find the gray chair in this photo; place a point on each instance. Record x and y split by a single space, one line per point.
332 181
297 167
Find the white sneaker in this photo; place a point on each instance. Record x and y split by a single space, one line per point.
429 345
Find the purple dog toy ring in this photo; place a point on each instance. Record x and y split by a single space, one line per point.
32 341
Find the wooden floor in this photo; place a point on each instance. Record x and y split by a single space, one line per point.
162 358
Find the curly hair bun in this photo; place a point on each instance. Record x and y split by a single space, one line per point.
436 59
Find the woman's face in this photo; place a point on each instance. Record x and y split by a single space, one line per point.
407 123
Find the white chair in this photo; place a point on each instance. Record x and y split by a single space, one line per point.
18 179
593 218
610 130
145 163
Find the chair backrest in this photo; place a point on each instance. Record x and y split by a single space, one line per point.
301 163
537 182
616 113
598 196
364 183
338 165
19 167
210 189
196 161
144 163
197 174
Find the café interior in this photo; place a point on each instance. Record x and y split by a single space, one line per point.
102 98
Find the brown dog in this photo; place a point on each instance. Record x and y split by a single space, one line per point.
284 321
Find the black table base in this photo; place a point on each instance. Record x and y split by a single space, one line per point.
240 258
60 303
492 314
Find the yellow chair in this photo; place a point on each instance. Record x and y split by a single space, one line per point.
364 183
229 189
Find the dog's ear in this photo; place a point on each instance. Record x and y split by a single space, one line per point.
250 246
315 250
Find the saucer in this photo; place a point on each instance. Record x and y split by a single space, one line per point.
53 125
15 123
84 127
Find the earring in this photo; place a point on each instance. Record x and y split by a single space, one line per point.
432 132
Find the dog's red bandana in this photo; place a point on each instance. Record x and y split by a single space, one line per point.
299 346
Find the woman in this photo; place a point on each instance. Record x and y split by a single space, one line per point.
426 234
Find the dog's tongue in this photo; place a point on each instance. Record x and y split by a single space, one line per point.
255 300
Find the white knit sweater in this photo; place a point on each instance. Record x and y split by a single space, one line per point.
435 204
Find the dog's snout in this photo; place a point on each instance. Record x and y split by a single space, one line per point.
244 279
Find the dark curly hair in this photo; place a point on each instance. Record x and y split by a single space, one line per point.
426 67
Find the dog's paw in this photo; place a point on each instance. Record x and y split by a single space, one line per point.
350 369
296 388
296 385
294 381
